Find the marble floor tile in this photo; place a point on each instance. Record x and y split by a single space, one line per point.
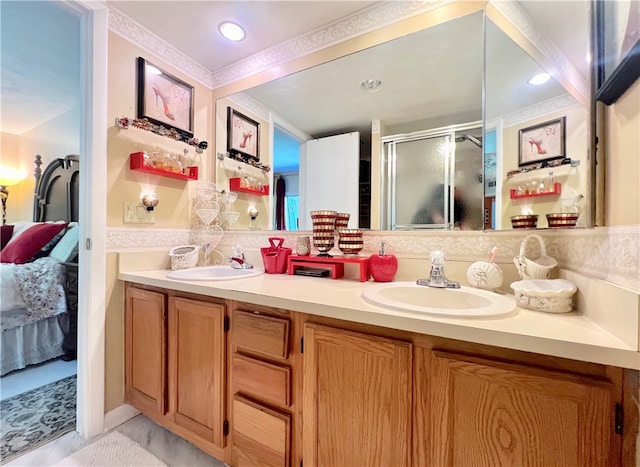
168 447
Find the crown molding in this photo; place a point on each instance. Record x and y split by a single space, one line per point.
561 65
363 21
125 27
538 110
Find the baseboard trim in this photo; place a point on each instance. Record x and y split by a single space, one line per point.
118 416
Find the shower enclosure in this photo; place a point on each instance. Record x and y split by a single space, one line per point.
433 179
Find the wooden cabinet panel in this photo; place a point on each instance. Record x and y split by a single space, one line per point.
492 413
261 436
271 383
356 399
265 335
145 350
196 362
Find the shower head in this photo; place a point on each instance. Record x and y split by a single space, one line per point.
475 140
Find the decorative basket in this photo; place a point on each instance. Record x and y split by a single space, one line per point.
184 257
524 221
562 219
548 295
534 269
274 257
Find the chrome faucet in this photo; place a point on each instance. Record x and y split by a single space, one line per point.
437 277
238 261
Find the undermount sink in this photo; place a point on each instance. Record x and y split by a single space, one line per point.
213 273
465 302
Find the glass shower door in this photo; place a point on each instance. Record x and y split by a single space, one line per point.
424 168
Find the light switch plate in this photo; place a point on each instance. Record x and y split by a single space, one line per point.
136 213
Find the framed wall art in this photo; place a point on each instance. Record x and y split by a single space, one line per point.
242 135
617 47
164 99
542 142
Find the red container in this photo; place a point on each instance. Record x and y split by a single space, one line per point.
275 257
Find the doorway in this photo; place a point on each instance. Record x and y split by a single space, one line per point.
286 180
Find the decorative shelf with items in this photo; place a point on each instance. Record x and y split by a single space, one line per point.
144 124
519 193
164 166
247 186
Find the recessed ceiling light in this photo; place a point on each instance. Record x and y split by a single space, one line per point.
231 31
371 85
539 79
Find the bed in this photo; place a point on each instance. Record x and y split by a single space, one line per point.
38 272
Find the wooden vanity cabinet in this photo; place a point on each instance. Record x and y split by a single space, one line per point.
261 371
487 412
175 367
145 340
357 398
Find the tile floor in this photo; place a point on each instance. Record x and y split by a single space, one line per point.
168 447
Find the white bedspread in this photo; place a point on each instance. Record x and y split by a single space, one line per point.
36 287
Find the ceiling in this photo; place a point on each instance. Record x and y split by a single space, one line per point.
33 65
192 26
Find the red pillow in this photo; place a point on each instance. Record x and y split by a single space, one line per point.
30 242
6 231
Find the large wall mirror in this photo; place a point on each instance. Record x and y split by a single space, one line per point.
397 134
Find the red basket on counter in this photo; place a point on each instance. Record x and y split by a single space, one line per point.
275 257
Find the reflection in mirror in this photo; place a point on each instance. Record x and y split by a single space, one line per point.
430 80
536 138
431 87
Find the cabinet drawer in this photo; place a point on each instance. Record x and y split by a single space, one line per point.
261 334
260 436
265 381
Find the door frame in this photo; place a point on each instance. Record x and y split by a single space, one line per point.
94 20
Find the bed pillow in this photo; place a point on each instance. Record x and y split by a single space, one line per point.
22 249
5 235
67 247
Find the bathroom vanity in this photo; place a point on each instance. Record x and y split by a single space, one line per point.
285 370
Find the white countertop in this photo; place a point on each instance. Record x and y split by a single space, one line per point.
568 335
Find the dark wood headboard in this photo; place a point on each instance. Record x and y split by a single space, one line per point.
57 189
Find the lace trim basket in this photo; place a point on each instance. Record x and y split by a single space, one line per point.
534 269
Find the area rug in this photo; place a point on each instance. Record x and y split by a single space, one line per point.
33 418
113 450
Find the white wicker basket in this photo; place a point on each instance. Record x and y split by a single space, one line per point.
534 269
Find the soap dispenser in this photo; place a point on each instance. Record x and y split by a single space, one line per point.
383 266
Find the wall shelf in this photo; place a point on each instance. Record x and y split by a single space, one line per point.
136 163
513 194
234 185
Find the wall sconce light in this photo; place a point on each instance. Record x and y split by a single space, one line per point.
253 212
8 177
149 200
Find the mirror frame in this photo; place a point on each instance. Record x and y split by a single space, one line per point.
417 23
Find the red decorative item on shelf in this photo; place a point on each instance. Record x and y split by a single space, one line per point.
334 264
275 257
383 266
513 194
234 185
136 162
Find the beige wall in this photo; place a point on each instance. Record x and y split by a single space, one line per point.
126 185
52 139
622 156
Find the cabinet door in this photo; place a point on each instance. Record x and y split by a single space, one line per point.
196 362
145 351
357 399
492 413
